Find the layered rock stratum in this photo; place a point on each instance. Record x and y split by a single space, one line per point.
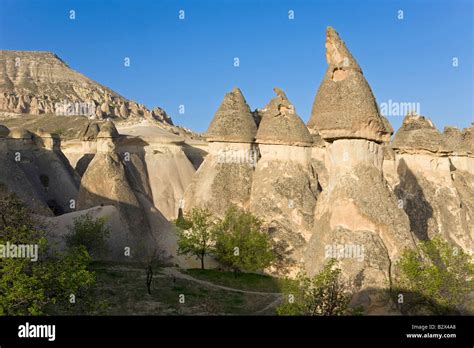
339 187
35 82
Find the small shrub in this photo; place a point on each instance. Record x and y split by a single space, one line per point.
90 233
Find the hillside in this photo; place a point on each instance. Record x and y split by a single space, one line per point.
37 82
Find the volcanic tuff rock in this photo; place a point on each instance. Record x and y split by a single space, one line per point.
460 142
169 169
357 217
225 177
340 190
35 169
112 178
284 186
344 106
35 82
418 134
433 177
281 125
233 121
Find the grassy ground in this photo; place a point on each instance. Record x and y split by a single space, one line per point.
121 290
242 281
68 127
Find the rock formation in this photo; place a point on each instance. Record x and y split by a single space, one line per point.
357 218
225 176
434 180
284 186
105 182
118 175
334 114
162 156
33 82
336 188
35 169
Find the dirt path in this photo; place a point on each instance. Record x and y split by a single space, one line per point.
173 272
272 304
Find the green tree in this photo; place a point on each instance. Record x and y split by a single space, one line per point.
90 233
324 294
437 278
27 287
241 242
197 239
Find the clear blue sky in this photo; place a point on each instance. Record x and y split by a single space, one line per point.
190 61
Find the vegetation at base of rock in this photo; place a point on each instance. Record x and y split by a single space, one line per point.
195 234
122 286
238 241
438 279
90 233
324 294
241 242
27 287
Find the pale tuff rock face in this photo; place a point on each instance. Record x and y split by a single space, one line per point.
224 178
108 180
344 106
117 175
35 169
281 125
345 154
433 176
284 193
437 197
170 170
38 83
105 183
233 121
284 186
418 134
356 212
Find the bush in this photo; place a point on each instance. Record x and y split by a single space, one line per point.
27 287
195 235
90 233
241 242
324 294
437 279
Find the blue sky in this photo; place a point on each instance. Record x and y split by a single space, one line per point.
190 62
